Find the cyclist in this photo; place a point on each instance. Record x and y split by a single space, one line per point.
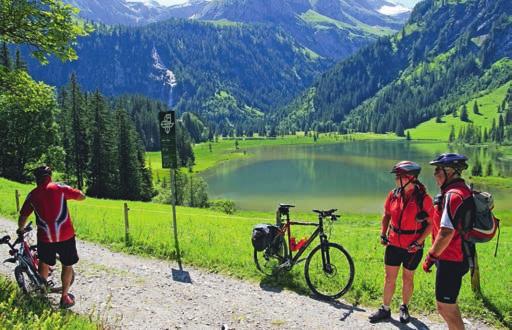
450 254
405 225
55 233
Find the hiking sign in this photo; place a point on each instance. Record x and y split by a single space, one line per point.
167 122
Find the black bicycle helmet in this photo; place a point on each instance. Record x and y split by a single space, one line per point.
42 171
406 167
455 161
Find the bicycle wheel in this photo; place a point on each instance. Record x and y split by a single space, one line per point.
25 281
335 278
267 260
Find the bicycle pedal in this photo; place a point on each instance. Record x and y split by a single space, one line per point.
285 265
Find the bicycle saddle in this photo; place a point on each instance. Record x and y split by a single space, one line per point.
325 213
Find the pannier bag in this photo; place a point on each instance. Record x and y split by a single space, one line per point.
263 235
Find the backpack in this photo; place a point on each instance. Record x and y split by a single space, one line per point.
263 235
480 225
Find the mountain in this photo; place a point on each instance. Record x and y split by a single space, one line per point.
124 12
448 52
230 74
331 28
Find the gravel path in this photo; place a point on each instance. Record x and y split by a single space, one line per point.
132 292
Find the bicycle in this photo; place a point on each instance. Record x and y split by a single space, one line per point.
26 259
329 269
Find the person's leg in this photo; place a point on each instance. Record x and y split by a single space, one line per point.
47 257
390 283
66 277
68 257
407 285
451 314
43 269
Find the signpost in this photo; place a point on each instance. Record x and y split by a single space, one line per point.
167 121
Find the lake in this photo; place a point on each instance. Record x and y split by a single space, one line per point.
350 176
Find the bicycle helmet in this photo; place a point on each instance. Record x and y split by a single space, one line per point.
455 161
42 171
406 167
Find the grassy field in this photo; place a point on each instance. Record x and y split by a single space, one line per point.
488 105
221 243
18 311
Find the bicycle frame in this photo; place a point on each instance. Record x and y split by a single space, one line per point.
23 257
319 231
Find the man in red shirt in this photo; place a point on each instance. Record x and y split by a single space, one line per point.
55 232
449 252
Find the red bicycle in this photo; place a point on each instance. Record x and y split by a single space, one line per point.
26 260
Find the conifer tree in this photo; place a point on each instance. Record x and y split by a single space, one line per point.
5 57
102 179
476 110
464 113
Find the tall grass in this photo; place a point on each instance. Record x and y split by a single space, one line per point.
221 243
18 311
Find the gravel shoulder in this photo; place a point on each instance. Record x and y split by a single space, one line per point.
133 292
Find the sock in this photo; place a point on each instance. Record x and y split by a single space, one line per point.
386 307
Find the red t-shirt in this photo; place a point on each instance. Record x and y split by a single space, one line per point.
447 215
393 207
48 202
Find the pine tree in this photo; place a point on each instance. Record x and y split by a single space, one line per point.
451 137
102 180
476 110
20 64
129 175
5 57
464 113
79 126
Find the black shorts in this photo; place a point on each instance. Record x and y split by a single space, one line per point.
396 256
66 250
449 280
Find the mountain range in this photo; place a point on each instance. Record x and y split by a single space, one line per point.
447 53
331 28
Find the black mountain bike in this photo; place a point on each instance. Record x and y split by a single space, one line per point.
26 260
329 269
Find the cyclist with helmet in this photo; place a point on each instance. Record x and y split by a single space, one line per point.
405 225
55 233
449 252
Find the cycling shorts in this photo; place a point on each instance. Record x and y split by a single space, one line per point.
449 280
47 252
396 256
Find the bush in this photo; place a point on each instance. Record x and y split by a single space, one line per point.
223 205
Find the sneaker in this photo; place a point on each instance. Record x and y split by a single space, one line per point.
67 301
404 314
380 315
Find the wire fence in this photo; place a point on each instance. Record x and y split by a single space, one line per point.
136 222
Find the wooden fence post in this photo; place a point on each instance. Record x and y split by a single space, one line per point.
475 277
17 195
126 226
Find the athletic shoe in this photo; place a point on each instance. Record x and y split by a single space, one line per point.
404 314
380 315
67 301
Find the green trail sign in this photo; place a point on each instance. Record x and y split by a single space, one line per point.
167 122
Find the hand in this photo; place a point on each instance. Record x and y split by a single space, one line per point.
384 239
20 231
414 247
429 261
